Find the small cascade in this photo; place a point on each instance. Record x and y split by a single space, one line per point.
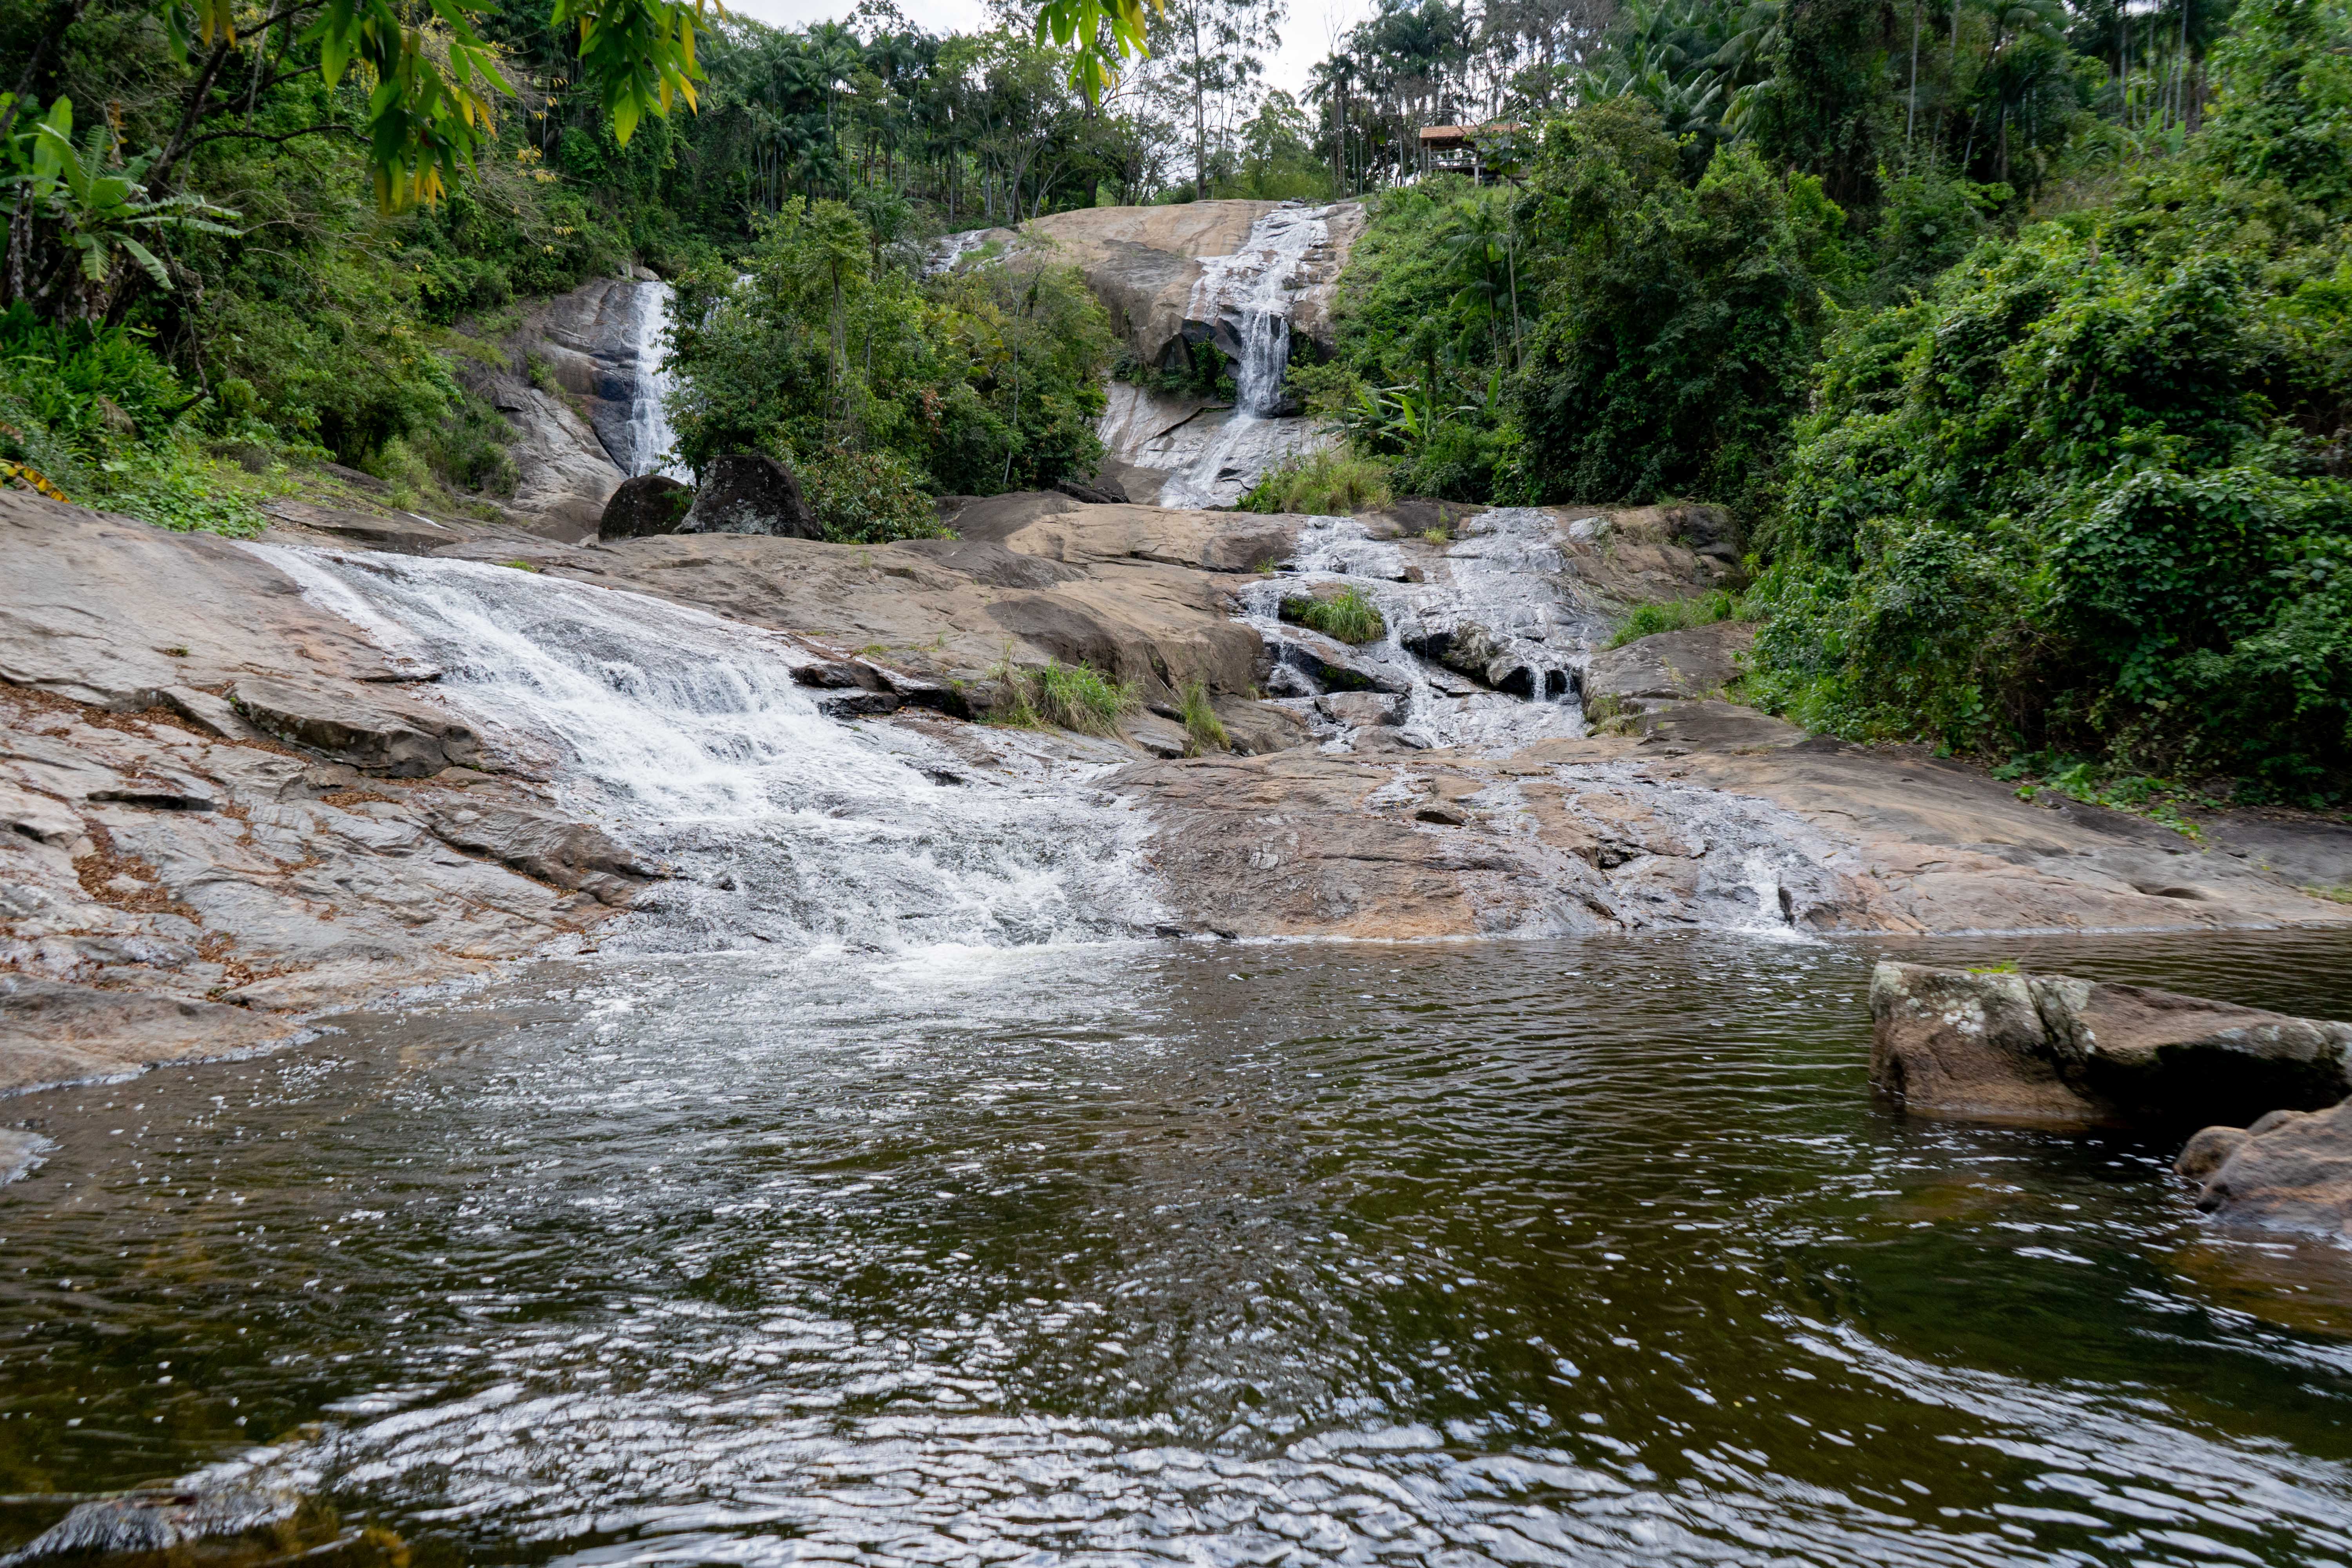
649 436
1246 299
951 249
1488 651
685 737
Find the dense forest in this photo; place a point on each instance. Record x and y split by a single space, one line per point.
2012 332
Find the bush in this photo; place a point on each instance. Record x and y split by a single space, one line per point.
2078 498
1674 615
1684 320
870 498
1347 616
1327 482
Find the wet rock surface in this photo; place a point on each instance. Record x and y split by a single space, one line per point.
2288 1169
226 803
2056 1051
176 878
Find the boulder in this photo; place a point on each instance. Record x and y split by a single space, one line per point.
2051 1051
648 504
750 493
374 740
2291 1170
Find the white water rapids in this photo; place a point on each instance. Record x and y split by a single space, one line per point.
683 736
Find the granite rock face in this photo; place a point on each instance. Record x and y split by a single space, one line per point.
2051 1051
645 506
750 492
2290 1170
224 807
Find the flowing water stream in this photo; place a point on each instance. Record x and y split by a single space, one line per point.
1248 296
650 436
685 737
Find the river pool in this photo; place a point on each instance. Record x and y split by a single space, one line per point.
1595 1251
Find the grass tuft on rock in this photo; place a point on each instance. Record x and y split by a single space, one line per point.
1347 616
1204 731
1055 695
1332 483
1675 615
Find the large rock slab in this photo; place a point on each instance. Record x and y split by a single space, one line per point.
191 860
2052 1050
2291 1170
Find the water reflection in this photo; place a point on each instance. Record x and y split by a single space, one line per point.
1594 1251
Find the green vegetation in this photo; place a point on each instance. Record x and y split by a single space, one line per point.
1346 614
1064 695
2024 368
279 255
970 384
1204 732
1324 483
1674 615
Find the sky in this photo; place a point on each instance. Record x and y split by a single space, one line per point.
1306 38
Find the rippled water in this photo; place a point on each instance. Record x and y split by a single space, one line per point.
1592 1252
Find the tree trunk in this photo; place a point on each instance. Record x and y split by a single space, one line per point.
1200 122
198 96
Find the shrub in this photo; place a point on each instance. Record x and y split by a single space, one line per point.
1674 615
870 498
1347 616
1327 482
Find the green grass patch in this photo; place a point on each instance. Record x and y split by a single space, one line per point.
1347 616
1055 695
1674 616
1332 483
2334 895
2098 783
1204 732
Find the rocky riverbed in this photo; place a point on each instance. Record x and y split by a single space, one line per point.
243 784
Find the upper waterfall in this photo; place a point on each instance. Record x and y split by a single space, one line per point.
650 436
1245 302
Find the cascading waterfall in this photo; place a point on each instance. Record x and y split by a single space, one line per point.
1500 582
1253 288
684 737
650 436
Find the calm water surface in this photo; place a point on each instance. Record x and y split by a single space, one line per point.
1595 1252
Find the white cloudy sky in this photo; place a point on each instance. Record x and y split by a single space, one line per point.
1306 38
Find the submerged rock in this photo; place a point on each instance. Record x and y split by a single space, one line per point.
750 493
2051 1051
647 505
2291 1170
157 1520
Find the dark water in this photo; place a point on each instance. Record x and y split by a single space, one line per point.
1594 1252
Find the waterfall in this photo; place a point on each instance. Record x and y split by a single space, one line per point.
685 736
1251 289
1499 584
649 433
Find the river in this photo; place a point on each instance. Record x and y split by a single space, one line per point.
1595 1251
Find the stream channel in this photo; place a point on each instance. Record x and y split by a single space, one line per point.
1594 1251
